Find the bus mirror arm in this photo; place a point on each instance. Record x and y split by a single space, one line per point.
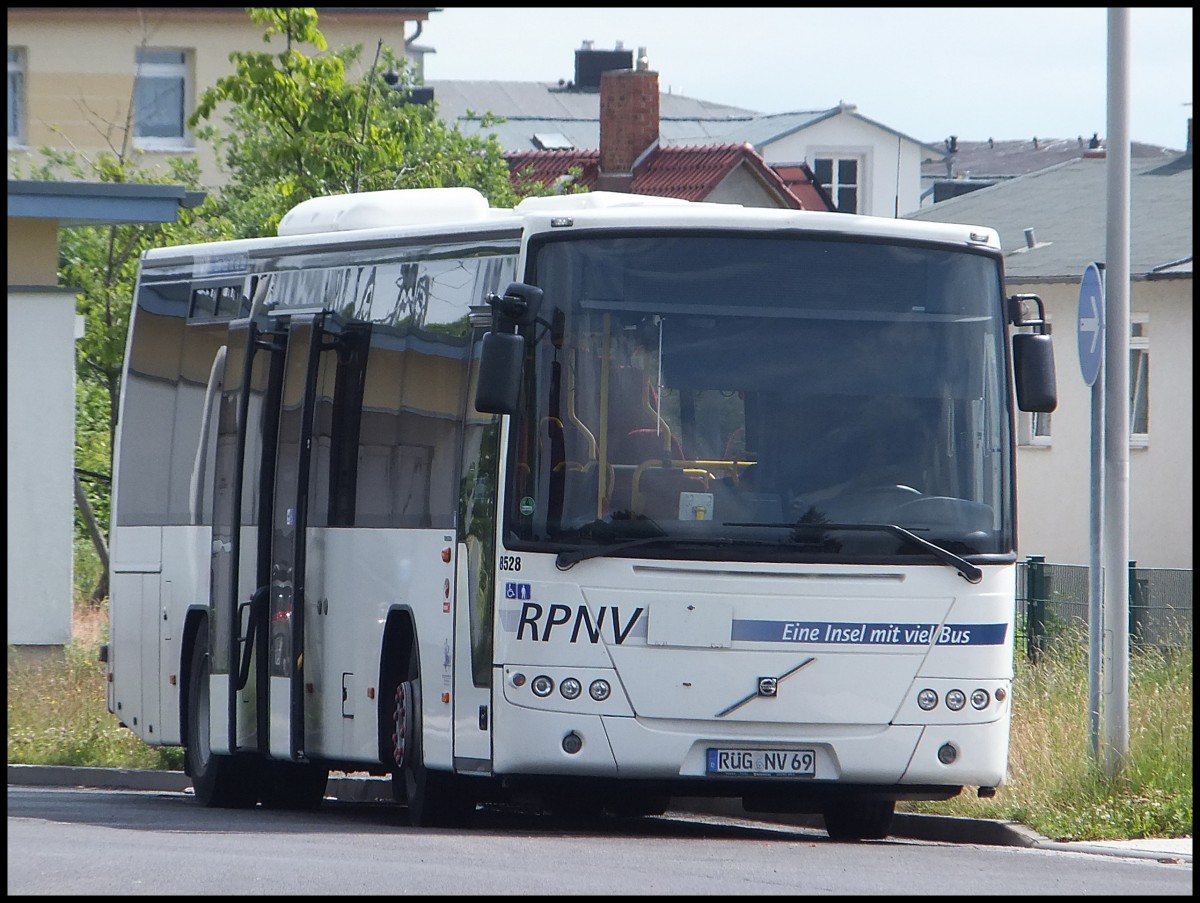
518 306
254 603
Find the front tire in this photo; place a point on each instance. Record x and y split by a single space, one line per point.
858 818
434 798
219 781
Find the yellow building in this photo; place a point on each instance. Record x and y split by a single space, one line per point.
127 78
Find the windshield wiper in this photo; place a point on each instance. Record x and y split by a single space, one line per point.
969 571
568 557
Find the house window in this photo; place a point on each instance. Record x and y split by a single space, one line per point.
16 96
1139 380
839 176
160 99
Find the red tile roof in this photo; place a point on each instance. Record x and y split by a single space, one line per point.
688 172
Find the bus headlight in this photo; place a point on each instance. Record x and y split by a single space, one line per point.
570 688
542 686
955 700
927 699
980 699
599 690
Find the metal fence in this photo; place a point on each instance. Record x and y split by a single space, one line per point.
1053 598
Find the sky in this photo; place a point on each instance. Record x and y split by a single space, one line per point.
987 72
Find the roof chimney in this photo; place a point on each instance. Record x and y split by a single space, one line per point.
591 63
628 124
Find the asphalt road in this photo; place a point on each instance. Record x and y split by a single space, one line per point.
908 826
87 842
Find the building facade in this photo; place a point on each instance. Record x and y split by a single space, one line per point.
88 77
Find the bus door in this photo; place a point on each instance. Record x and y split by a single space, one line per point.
257 617
251 378
282 697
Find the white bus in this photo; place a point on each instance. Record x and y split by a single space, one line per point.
592 502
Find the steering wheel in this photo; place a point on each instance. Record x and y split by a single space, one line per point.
868 501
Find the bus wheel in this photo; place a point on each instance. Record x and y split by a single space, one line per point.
433 798
856 818
225 782
293 785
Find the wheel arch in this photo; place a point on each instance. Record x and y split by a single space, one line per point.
398 655
194 621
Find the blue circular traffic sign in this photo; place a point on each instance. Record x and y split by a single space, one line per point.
1091 324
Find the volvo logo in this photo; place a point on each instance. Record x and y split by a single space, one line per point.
768 687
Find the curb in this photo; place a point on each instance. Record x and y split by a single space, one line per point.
910 826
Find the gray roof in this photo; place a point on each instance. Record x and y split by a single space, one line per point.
1066 206
1006 159
550 108
98 203
551 100
767 128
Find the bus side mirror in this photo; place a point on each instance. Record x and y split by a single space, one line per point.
503 351
500 362
1033 367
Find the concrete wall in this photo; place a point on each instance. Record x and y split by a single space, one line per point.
41 460
741 186
1053 490
32 252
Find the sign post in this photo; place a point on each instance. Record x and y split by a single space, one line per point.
1091 364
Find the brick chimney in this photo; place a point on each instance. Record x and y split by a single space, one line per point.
628 124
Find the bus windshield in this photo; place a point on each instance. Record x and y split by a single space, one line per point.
742 396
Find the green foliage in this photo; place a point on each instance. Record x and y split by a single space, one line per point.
300 125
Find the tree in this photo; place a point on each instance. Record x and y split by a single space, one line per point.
299 126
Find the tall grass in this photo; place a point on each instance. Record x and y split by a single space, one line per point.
57 711
1055 784
57 715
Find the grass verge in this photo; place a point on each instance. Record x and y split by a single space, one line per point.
1055 785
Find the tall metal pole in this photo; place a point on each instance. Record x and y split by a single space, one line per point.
1096 564
1116 396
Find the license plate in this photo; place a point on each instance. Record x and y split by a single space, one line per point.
800 763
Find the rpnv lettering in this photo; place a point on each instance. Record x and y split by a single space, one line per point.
541 623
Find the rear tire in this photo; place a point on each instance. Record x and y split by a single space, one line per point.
219 781
434 798
858 818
